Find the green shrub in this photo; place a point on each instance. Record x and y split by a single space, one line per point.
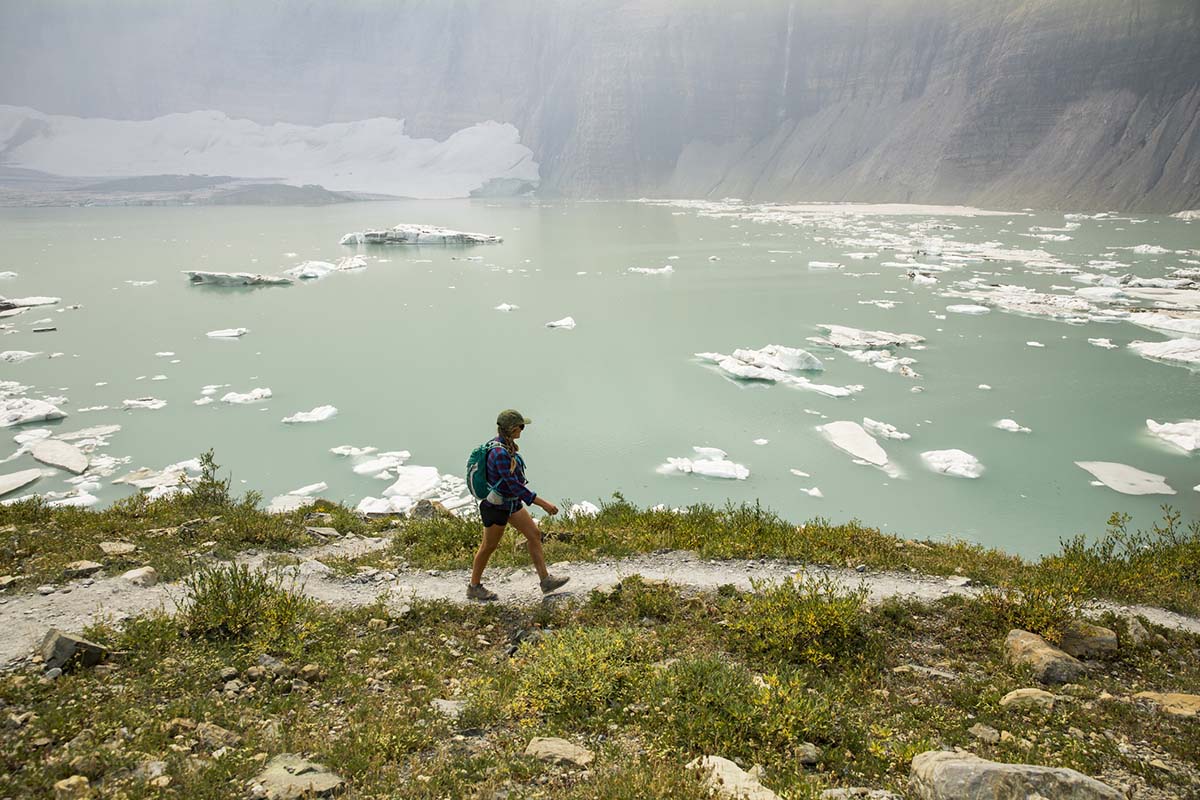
810 620
235 603
1043 607
708 705
578 674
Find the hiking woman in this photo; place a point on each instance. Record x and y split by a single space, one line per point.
505 505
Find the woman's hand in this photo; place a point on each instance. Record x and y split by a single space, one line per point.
547 506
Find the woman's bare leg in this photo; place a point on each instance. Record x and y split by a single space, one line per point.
522 521
487 546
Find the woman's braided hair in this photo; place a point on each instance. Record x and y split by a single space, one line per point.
510 444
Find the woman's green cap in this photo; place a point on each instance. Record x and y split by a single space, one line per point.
510 418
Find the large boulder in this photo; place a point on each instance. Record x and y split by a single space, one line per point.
558 751
941 775
1175 704
290 776
1050 665
63 650
1083 640
727 779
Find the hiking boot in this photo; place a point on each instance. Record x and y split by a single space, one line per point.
480 592
552 582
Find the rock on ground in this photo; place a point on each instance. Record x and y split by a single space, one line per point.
858 793
941 775
1050 665
60 649
558 751
1175 704
1026 699
142 576
1082 640
727 779
290 776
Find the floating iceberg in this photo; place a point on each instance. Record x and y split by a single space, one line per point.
953 462
287 503
22 410
852 438
311 489
1010 425
1161 321
150 403
383 461
506 307
7 303
252 396
884 360
1184 434
57 453
350 450
198 277
1149 249
1105 343
227 333
667 270
310 270
968 309
711 462
824 265
769 365
17 356
813 492
882 429
318 414
777 356
406 233
18 480
1175 351
843 337
584 508
566 323
1126 479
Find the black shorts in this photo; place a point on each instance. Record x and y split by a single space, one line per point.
493 515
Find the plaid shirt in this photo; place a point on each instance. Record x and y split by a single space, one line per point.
508 481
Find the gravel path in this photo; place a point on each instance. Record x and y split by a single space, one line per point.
24 619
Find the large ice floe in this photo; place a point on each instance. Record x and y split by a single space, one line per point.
318 414
409 233
953 462
852 438
1185 351
60 454
1184 434
206 278
15 481
8 303
1126 479
774 364
373 155
711 462
1175 323
844 337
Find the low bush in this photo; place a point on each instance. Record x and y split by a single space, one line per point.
1043 607
809 621
235 603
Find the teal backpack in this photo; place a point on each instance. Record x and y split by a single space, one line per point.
477 482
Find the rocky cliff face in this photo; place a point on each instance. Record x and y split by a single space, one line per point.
1050 103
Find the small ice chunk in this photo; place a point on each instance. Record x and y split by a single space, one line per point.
566 323
252 396
1184 434
852 438
953 462
667 270
150 403
159 378
203 401
1150 249
375 506
318 414
824 265
762 441
17 356
1035 344
1010 425
286 503
141 283
350 450
712 462
312 488
507 307
842 336
883 430
968 309
164 354
800 473
1105 343
1126 479
813 492
414 482
312 270
227 333
583 508
985 387
81 499
198 277
384 461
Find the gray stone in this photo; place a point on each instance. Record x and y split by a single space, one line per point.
1175 704
1050 665
214 736
117 548
809 754
142 576
984 733
729 780
1083 640
290 776
55 453
558 751
47 588
429 509
857 793
7 581
81 569
18 480
1026 699
941 775
322 532
451 709
1136 634
64 650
